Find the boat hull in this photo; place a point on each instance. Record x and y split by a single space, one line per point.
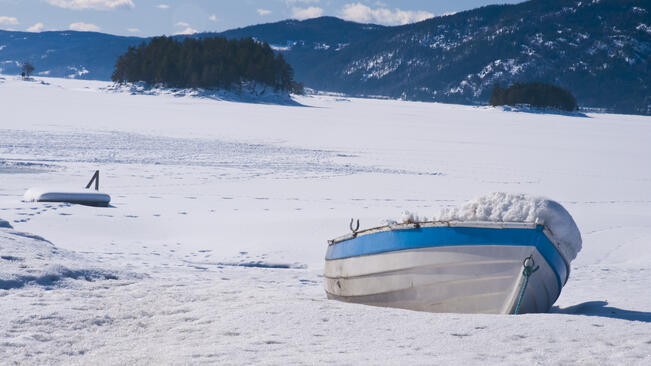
88 198
445 269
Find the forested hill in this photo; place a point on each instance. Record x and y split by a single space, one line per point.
598 50
212 62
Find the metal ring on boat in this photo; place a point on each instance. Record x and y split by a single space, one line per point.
524 262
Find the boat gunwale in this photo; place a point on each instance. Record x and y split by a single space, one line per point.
424 224
455 223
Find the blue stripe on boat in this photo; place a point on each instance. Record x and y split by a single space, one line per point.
389 241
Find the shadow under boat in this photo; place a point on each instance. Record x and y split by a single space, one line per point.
600 308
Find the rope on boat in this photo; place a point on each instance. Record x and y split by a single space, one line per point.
527 271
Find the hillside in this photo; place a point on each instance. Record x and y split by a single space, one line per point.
71 54
598 50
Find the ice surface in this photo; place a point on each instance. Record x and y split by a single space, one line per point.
514 207
222 211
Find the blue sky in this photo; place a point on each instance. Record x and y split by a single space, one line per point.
156 17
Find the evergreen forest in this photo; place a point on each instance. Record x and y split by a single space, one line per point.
211 63
540 95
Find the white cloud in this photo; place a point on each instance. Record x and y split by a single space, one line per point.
358 12
263 12
92 4
162 6
133 30
306 13
187 30
36 27
213 18
84 27
8 21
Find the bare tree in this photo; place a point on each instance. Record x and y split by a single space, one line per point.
28 69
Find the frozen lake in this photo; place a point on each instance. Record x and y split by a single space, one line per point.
212 251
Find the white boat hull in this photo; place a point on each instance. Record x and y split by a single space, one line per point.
86 197
456 278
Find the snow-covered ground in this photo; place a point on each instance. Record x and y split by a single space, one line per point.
212 251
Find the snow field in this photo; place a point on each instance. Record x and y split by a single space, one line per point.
221 212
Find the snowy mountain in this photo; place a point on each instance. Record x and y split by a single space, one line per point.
75 55
599 50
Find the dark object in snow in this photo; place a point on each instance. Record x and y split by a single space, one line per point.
27 70
95 178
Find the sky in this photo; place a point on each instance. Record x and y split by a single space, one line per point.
158 17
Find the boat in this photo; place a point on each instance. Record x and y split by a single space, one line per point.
85 196
449 266
81 197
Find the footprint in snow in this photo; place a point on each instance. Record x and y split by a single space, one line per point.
12 258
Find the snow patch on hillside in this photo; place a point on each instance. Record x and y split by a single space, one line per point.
77 72
375 67
644 27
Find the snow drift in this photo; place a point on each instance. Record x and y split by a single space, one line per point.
30 260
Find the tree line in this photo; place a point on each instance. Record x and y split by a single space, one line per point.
205 63
539 95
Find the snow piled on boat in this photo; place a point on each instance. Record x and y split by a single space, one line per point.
512 207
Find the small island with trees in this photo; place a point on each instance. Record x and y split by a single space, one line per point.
209 63
537 95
